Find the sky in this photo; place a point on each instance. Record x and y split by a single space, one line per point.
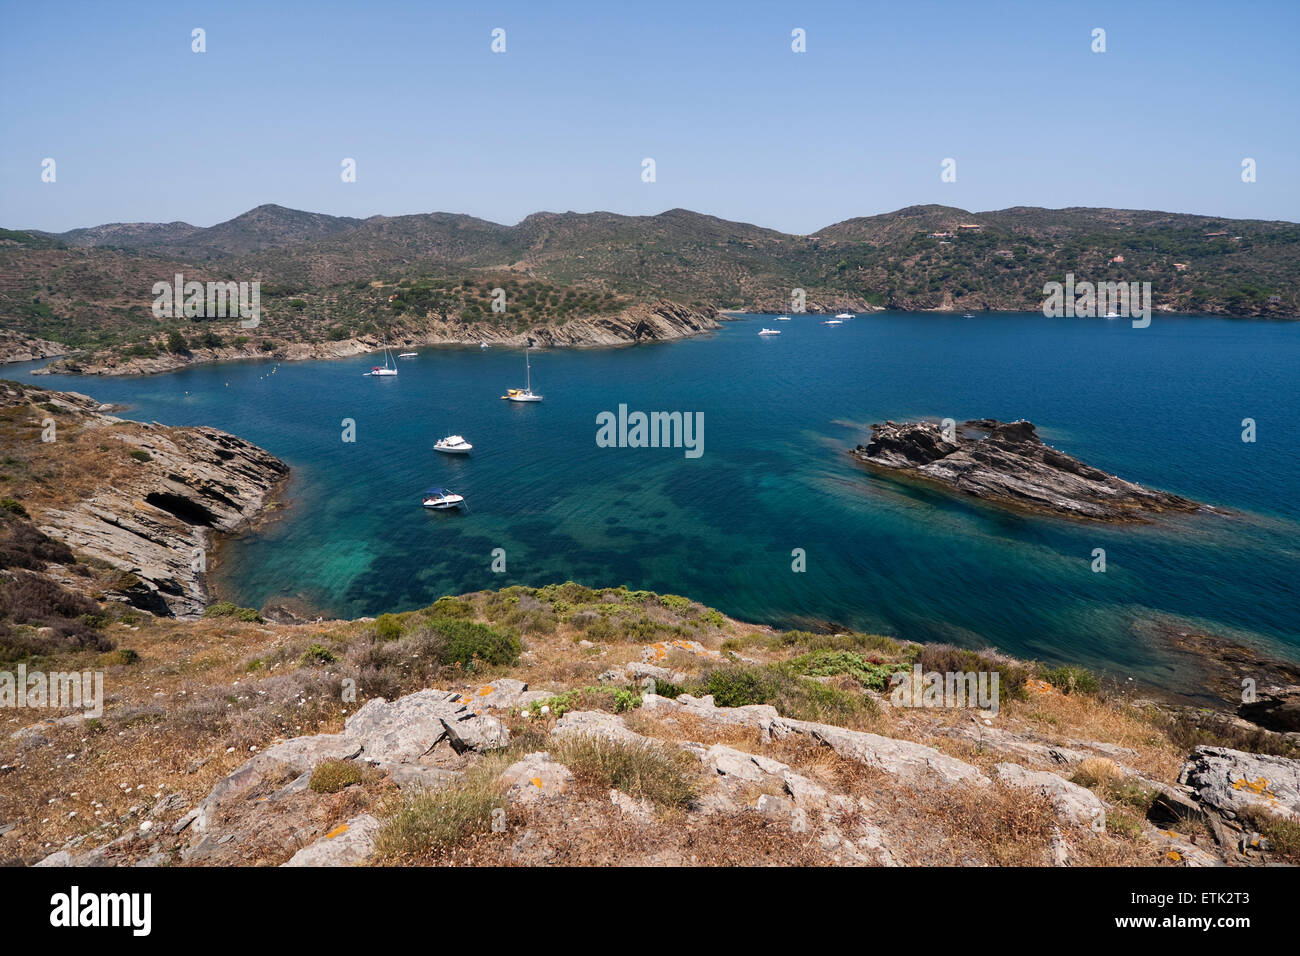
142 128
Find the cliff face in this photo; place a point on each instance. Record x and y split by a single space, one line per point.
143 499
651 322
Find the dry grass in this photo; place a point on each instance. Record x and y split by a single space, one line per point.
667 777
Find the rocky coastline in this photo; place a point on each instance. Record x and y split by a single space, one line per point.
1006 463
659 321
147 500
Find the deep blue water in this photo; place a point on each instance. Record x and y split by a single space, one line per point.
1161 405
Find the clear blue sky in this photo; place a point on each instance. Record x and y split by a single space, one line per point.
142 129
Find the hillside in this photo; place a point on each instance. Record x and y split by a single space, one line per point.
550 726
328 278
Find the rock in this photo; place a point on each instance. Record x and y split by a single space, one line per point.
659 651
596 723
535 777
638 671
411 776
476 733
640 811
1074 804
348 844
501 694
1007 463
1230 781
298 754
151 521
913 763
1275 708
760 716
736 763
405 729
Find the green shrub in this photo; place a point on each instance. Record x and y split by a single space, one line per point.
675 602
471 644
453 607
318 654
946 658
227 609
792 694
1073 680
13 506
333 775
388 627
139 454
875 676
123 655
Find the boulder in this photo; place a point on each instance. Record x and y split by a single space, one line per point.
536 777
1230 781
1074 804
348 844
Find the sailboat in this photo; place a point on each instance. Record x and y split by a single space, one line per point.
386 369
525 394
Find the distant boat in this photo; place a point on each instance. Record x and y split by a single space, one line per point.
525 394
969 315
845 315
833 322
453 445
484 345
440 499
408 354
770 332
386 369
783 318
1113 315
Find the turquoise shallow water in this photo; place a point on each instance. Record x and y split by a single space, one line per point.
1161 405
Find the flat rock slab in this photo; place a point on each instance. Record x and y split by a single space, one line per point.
595 723
1231 781
501 694
1074 804
348 844
914 763
760 716
406 729
535 777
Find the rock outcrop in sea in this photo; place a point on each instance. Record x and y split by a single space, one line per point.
1007 463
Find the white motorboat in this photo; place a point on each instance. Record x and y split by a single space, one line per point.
770 332
525 394
845 315
833 322
1112 315
453 445
440 499
408 354
783 318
